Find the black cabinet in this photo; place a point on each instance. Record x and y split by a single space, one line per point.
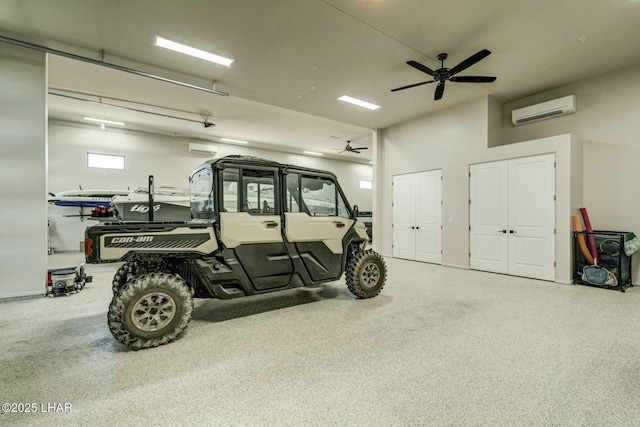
611 254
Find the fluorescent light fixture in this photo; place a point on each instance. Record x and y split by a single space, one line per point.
312 153
358 102
104 122
235 140
192 51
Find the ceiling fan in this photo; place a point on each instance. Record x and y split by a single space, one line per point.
350 149
443 74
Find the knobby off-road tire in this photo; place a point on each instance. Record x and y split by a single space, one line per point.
150 310
366 273
120 278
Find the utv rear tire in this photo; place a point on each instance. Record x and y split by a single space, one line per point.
120 278
150 310
366 273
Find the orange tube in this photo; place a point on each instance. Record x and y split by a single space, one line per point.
590 237
583 245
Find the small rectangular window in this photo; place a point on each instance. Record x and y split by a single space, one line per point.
366 185
105 161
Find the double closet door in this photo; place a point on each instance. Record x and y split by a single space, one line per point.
417 216
512 217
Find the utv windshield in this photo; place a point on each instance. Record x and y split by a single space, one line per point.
201 191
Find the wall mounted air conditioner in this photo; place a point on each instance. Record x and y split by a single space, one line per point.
546 110
210 150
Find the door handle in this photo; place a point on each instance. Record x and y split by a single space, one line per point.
502 231
338 224
270 224
512 232
412 227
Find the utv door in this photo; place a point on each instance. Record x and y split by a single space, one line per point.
316 220
251 225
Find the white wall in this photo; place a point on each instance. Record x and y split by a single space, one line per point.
167 159
437 141
607 121
612 190
23 147
607 111
604 180
452 140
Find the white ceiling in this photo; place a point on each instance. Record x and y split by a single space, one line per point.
293 58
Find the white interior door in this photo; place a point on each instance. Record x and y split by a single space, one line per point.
532 217
512 217
429 217
489 217
417 216
404 233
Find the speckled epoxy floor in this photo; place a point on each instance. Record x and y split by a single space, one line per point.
439 347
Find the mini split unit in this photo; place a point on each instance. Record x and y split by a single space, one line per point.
210 150
546 110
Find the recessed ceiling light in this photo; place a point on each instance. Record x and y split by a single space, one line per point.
312 153
192 51
358 102
107 122
235 140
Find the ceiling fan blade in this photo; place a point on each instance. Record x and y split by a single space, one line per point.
472 79
340 152
413 85
423 68
361 148
439 91
355 151
470 61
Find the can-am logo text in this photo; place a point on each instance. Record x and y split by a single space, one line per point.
138 239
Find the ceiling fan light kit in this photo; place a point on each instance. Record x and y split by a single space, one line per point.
350 149
443 74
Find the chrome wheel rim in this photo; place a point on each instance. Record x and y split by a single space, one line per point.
370 275
153 311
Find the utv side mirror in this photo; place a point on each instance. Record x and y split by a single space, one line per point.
355 212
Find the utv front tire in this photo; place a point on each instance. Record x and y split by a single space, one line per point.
150 310
366 273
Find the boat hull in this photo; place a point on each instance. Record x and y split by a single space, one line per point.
136 211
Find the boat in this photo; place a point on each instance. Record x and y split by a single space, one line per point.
85 198
169 204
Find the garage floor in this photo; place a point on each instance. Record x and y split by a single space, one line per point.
439 347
